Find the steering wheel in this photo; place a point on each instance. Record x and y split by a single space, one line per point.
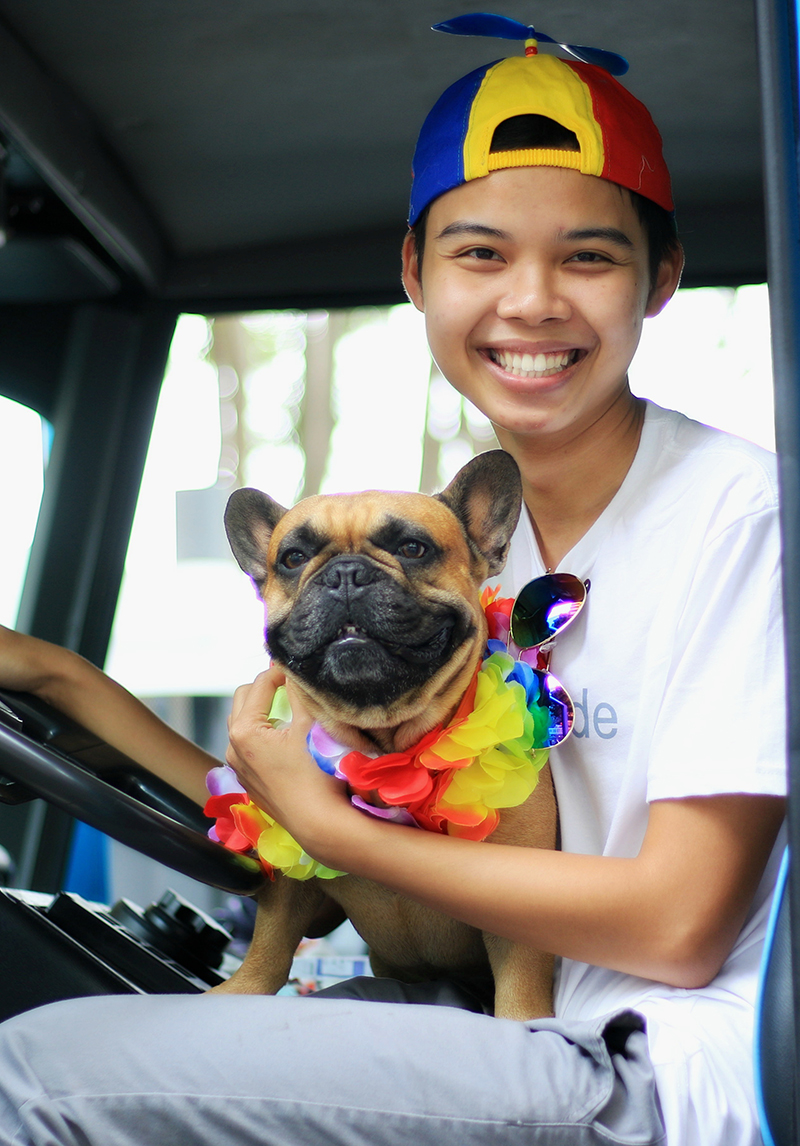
43 753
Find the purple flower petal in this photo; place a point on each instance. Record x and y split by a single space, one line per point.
326 751
395 815
220 781
324 742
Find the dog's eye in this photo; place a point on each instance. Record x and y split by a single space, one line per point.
293 559
412 549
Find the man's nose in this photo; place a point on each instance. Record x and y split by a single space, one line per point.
533 296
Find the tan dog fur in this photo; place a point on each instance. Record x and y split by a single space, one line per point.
332 545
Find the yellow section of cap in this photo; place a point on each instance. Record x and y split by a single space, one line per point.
533 85
535 157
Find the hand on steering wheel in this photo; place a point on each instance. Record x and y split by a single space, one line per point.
116 796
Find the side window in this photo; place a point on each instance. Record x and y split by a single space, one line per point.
708 355
24 446
294 404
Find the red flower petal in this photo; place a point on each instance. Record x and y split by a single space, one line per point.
395 777
232 838
217 806
249 822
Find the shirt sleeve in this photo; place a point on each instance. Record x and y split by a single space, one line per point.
722 725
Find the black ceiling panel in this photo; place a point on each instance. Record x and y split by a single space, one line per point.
194 139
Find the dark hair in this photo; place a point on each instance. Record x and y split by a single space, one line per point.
529 131
660 230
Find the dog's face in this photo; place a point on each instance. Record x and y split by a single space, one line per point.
372 599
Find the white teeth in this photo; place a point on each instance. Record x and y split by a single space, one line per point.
532 365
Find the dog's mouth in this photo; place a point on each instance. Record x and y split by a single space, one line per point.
365 666
424 652
350 633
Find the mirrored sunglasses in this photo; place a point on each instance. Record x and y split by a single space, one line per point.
543 609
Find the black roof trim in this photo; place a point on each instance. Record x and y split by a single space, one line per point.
57 138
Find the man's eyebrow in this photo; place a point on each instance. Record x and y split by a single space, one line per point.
578 235
467 228
605 234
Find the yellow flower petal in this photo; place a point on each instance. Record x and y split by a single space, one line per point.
281 711
276 847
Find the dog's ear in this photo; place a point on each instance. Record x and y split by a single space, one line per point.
250 518
486 497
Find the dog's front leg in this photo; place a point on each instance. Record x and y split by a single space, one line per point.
523 979
286 909
523 976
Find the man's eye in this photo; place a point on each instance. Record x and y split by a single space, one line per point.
412 549
293 559
484 253
589 257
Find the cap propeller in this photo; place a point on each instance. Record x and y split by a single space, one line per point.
502 27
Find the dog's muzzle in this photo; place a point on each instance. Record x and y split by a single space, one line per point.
361 634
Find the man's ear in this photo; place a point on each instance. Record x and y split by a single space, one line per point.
411 273
669 276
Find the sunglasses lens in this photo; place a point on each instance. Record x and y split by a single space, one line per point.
552 711
544 607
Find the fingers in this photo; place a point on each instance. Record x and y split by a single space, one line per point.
273 763
252 704
302 720
250 730
252 700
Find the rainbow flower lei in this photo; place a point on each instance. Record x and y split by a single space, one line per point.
455 780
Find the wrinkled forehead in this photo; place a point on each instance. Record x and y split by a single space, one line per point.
372 519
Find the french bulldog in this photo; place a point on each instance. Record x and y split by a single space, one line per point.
373 609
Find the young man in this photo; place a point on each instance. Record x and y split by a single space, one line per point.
535 262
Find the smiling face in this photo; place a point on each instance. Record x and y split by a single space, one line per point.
535 284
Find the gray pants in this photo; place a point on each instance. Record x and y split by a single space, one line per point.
256 1071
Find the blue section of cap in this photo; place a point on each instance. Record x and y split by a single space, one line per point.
438 164
487 24
611 62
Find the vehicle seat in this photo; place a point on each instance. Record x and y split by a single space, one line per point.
774 1043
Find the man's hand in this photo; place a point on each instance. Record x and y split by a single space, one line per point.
274 764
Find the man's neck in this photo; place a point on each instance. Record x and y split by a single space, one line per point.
567 483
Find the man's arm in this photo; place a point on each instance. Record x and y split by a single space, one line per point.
671 913
84 693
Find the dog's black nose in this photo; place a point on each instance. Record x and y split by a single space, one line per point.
348 573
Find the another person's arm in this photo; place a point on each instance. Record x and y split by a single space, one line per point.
671 913
84 693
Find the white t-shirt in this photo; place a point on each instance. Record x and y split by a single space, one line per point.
676 670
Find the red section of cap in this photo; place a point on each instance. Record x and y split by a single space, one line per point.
631 140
